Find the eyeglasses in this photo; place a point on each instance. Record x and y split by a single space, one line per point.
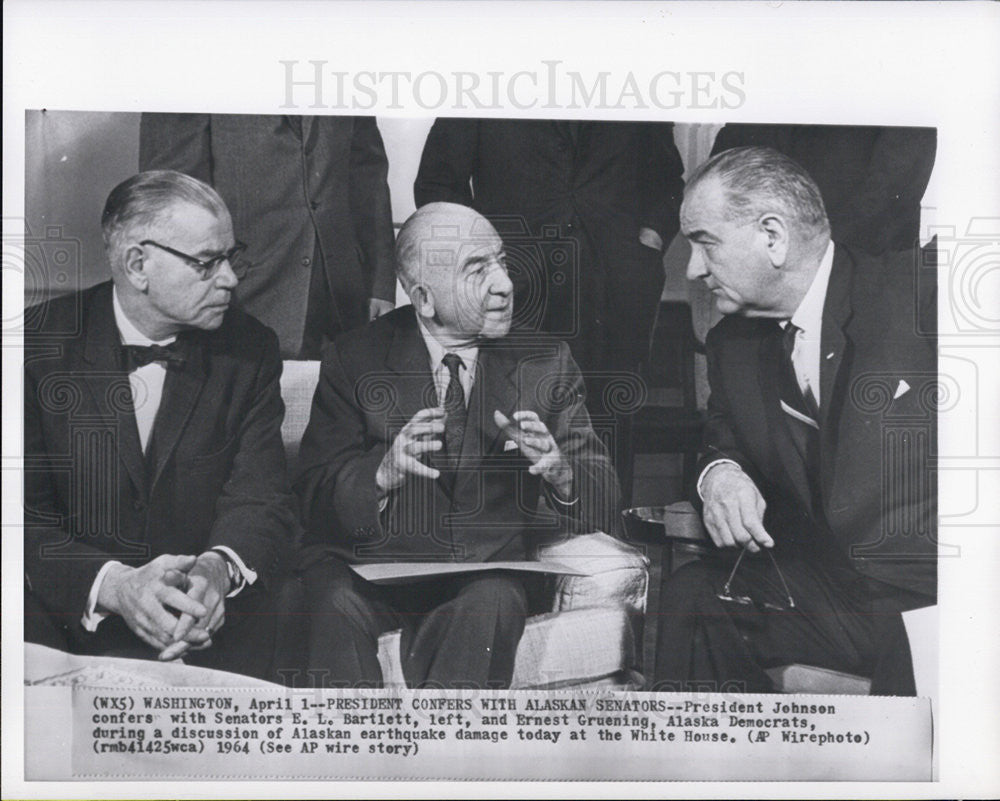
727 596
207 268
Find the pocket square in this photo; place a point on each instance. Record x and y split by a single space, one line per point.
901 390
509 445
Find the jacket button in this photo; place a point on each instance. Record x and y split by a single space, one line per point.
314 204
306 261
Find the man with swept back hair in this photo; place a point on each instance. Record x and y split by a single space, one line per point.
871 177
434 436
156 506
823 507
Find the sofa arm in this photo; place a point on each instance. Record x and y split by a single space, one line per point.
616 573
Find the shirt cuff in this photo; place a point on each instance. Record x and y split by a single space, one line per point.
248 576
553 496
91 617
708 467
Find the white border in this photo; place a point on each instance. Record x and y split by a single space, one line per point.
888 63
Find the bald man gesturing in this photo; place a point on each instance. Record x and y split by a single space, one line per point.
435 435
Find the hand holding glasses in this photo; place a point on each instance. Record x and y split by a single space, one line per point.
726 595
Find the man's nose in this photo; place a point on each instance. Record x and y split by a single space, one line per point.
501 283
225 278
696 266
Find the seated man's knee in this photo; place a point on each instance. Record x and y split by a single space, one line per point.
330 592
499 591
695 580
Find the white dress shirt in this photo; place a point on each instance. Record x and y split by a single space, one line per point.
808 318
146 383
442 376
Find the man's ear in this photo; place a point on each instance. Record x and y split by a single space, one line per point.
134 268
422 300
775 229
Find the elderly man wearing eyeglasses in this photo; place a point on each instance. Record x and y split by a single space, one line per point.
157 513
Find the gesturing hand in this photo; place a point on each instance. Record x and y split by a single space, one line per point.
539 447
734 509
208 584
422 434
146 597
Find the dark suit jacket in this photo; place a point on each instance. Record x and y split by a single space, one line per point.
219 477
286 191
872 178
878 495
591 184
373 381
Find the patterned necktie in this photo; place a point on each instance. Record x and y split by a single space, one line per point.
799 399
804 437
454 407
135 356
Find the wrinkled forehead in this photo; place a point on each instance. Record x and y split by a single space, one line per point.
449 245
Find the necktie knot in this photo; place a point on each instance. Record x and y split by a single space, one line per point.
454 398
136 356
788 338
453 362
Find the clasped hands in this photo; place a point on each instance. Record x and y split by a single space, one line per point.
424 433
172 603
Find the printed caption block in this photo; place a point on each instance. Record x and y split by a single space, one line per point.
328 734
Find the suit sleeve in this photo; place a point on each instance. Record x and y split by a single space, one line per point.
595 483
719 440
661 181
371 209
336 481
181 142
58 569
447 163
255 512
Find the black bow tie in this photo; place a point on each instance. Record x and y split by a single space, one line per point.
136 356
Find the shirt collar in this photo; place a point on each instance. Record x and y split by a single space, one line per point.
129 334
437 352
809 315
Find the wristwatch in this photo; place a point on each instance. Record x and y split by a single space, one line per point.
236 578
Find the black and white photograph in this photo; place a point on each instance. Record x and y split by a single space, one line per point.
394 415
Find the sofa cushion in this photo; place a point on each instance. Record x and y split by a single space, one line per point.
616 573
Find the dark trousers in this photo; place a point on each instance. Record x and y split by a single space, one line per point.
245 644
458 632
841 621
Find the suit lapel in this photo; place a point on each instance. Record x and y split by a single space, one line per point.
408 359
307 124
109 385
834 356
180 393
770 355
